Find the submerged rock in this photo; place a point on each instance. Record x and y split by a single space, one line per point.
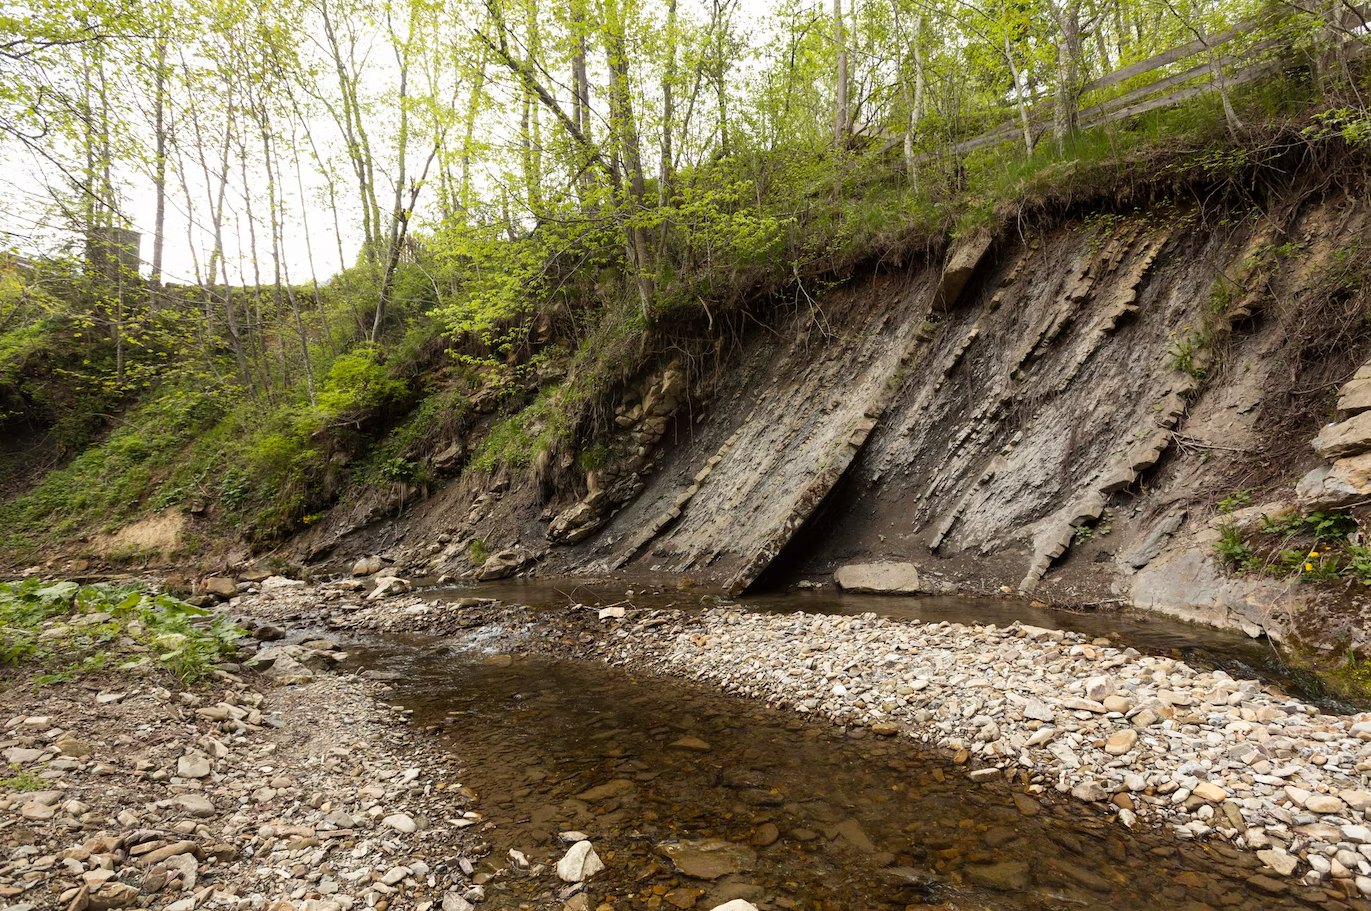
710 858
580 863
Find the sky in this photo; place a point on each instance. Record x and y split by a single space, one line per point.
31 220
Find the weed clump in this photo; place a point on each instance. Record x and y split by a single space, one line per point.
65 630
1318 547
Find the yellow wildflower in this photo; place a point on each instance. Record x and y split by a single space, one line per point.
1309 567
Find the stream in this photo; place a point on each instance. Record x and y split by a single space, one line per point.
1227 650
693 797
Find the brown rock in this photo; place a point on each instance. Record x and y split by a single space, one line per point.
1267 884
112 895
1346 438
81 901
219 586
765 836
694 744
161 854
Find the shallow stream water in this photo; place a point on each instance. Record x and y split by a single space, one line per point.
1228 650
816 817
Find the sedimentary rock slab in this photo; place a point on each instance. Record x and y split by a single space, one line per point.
878 578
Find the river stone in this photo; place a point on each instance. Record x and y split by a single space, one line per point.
68 745
21 755
1117 703
710 858
37 811
1358 834
1207 790
454 902
1011 876
852 832
400 822
736 905
502 565
766 835
1121 742
1091 791
219 586
172 850
193 765
619 787
1097 688
387 586
1324 804
196 805
694 744
580 863
187 866
112 895
367 566
1037 711
878 578
1282 863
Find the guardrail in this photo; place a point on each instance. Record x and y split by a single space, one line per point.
1237 67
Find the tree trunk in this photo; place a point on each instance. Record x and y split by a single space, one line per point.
626 136
159 177
841 115
665 168
1068 46
1024 123
1230 116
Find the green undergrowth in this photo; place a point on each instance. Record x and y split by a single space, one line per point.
1290 546
60 631
261 467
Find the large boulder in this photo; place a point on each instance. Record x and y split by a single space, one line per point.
367 566
1336 485
574 523
387 586
504 564
219 586
879 578
1346 438
449 459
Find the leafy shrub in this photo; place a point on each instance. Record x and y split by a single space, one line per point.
358 381
1233 551
185 640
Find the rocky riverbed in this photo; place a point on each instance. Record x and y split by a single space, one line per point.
1151 740
246 794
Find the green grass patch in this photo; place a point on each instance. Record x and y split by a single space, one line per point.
1317 547
62 631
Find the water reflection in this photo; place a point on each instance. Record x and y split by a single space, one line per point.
815 817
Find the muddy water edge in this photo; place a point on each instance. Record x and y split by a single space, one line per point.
659 772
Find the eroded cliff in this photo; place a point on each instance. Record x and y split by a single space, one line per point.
1054 411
